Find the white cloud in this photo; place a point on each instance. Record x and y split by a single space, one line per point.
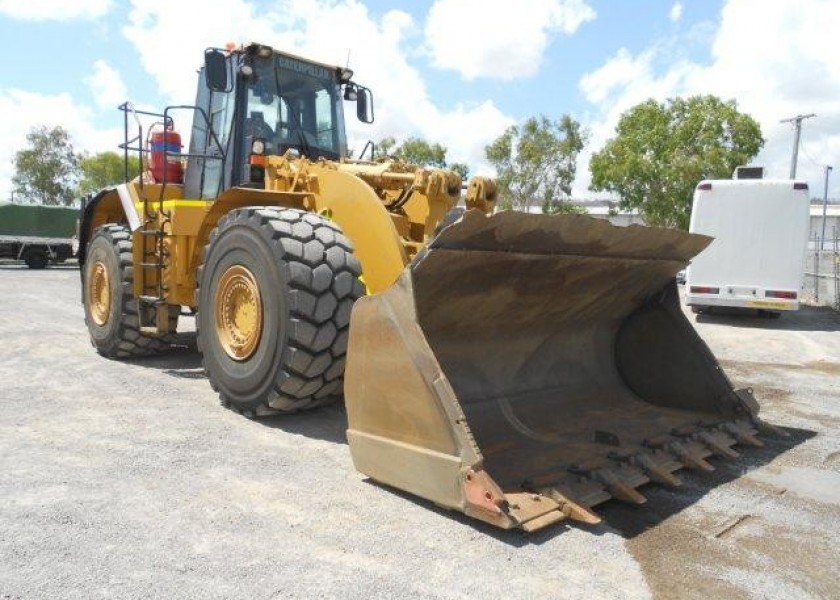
24 110
497 39
323 30
151 21
617 73
786 65
676 12
106 85
54 10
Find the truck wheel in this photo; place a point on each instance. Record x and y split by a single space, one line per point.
110 306
36 258
275 294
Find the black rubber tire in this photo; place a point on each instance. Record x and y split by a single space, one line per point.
308 280
36 258
119 336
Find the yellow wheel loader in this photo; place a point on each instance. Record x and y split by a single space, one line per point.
518 368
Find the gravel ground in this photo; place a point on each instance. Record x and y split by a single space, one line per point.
128 480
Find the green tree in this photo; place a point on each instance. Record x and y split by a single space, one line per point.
47 170
462 169
105 169
662 150
536 163
384 148
417 151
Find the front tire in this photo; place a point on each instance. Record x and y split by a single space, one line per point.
110 306
275 294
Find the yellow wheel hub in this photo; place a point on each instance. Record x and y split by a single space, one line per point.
238 312
99 293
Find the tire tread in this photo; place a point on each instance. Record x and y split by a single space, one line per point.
322 280
130 342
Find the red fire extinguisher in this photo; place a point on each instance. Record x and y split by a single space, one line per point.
165 154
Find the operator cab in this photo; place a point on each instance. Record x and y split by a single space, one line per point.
260 102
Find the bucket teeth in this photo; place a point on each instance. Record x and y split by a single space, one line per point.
622 491
768 429
533 511
573 509
690 458
655 471
716 444
583 490
617 487
744 434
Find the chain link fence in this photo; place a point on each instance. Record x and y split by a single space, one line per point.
822 271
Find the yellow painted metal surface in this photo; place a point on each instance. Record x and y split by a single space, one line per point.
352 204
99 292
239 316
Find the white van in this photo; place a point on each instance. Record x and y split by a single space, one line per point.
757 259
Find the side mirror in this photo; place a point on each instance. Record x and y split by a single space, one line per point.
215 70
364 105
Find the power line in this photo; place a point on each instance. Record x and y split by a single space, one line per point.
808 154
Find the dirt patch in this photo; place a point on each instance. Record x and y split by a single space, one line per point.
678 561
832 460
821 366
702 555
770 395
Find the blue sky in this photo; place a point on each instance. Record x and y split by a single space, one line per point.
453 71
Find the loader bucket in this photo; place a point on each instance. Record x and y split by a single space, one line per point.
525 368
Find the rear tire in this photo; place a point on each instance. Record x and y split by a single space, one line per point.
275 294
110 306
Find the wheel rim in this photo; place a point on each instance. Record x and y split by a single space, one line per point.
99 293
239 313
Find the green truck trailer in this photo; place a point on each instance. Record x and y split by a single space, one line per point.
37 235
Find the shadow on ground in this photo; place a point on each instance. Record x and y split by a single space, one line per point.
663 502
809 318
329 423
182 361
631 520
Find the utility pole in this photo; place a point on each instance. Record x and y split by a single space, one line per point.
797 123
825 203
